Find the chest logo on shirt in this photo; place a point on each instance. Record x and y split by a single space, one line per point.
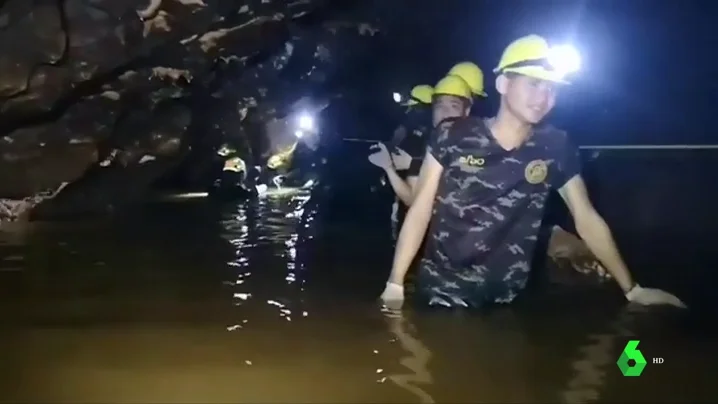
536 172
472 161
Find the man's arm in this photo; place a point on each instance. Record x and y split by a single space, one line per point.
401 188
417 219
412 181
594 231
412 176
405 189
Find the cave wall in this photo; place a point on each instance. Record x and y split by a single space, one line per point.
106 97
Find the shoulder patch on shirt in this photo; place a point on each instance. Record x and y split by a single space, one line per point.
536 171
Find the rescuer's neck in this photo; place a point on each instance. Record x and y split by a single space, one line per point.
509 131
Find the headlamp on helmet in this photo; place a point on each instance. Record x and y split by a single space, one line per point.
306 122
565 59
532 56
420 94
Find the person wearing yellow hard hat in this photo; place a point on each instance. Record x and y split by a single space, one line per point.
450 98
482 192
231 180
472 75
420 94
407 143
408 139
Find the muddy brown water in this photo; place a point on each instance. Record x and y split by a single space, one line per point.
265 302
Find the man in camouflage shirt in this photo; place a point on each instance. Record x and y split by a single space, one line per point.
450 98
486 182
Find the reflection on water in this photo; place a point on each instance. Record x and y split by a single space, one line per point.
266 301
416 361
275 223
596 358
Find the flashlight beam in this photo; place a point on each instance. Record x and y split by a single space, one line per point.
306 122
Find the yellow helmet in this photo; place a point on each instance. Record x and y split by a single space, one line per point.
472 75
282 158
453 85
420 94
235 164
529 56
275 162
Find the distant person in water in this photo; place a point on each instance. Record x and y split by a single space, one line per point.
296 166
232 178
482 190
402 164
408 143
300 170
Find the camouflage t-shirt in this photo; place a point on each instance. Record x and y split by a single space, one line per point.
488 211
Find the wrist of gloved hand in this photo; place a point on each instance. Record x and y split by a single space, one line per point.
393 289
630 295
393 292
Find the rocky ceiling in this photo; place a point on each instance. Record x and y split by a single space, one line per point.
101 98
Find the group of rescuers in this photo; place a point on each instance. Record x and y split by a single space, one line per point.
293 167
475 191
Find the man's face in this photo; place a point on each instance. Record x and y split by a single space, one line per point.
528 98
448 106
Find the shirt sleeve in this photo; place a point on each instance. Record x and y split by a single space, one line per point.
568 163
438 145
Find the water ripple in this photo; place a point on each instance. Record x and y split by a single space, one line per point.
416 362
276 228
139 300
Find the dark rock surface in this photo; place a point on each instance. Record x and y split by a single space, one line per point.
106 97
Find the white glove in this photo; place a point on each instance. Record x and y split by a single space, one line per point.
402 159
381 158
651 296
261 189
393 293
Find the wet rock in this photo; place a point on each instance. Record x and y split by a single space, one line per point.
112 96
